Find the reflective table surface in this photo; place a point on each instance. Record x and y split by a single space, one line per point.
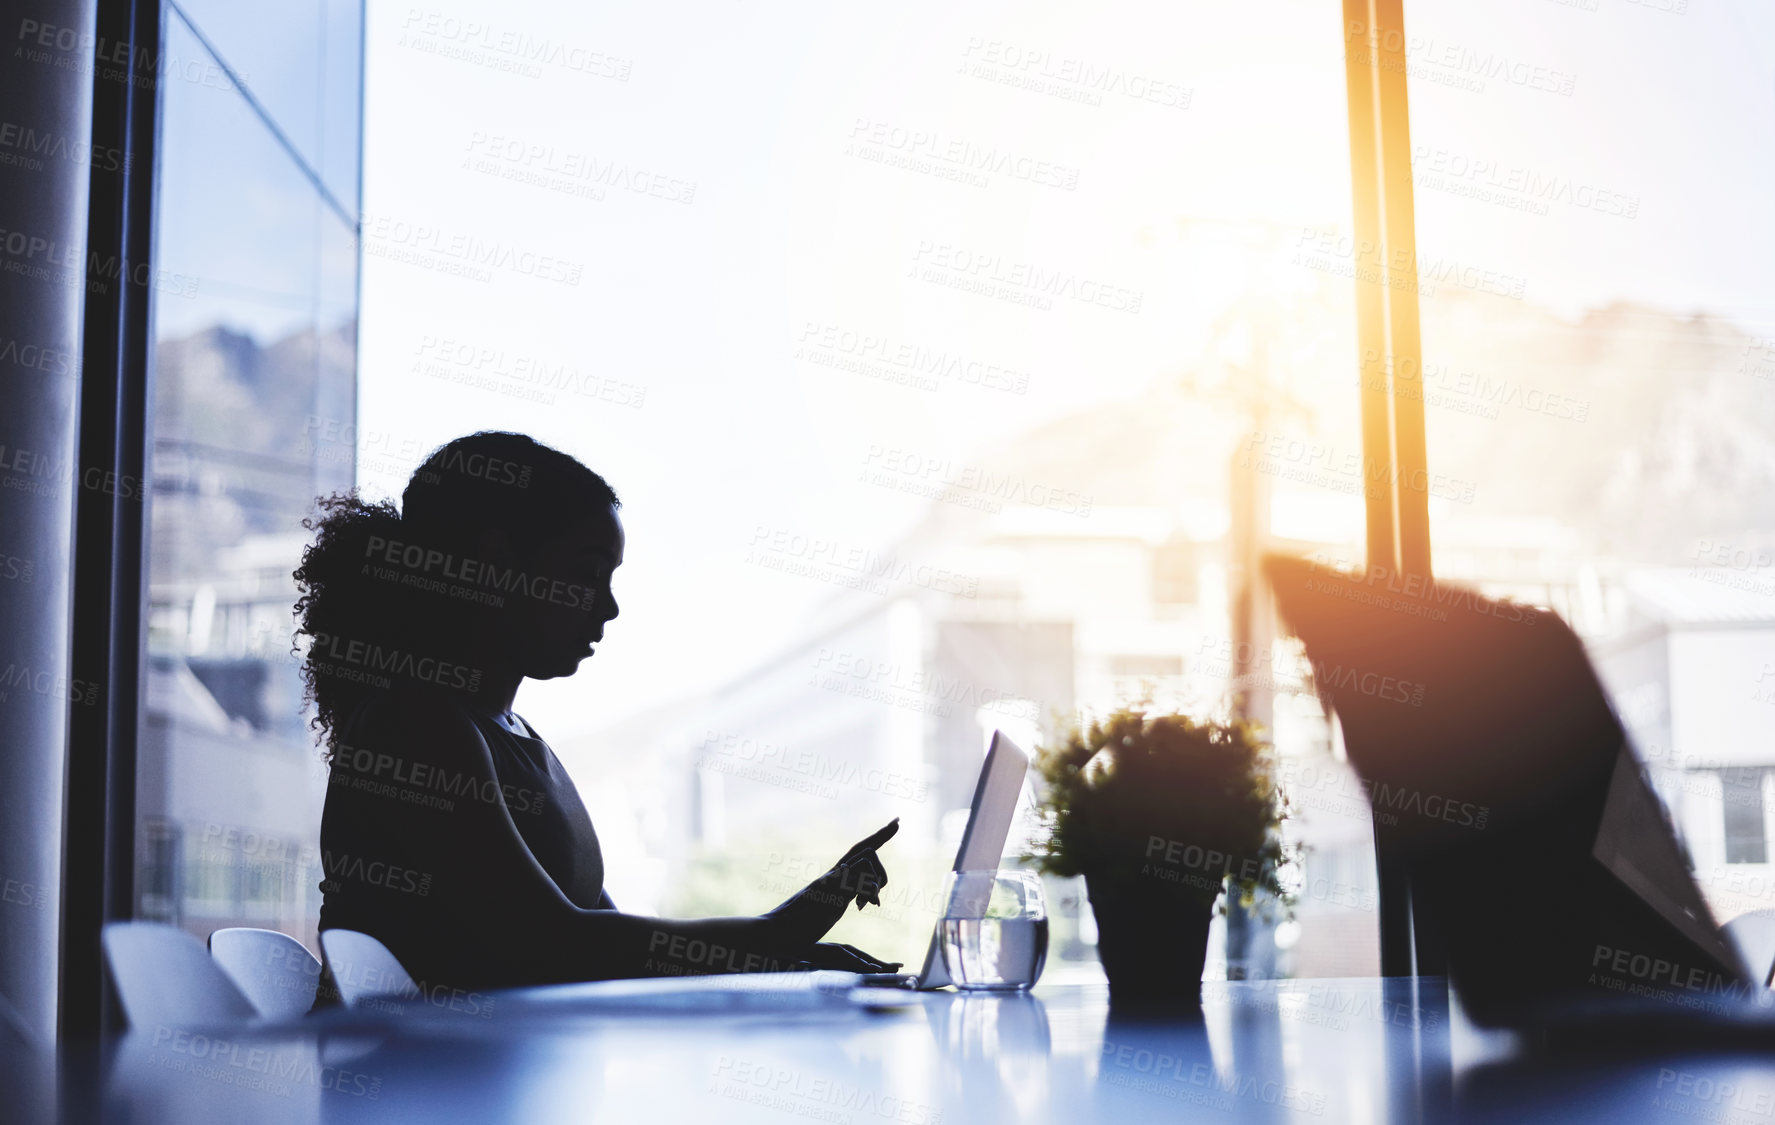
1360 1050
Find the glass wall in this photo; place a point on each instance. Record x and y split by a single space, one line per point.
255 362
949 361
1599 366
937 352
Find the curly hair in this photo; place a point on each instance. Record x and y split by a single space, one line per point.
365 625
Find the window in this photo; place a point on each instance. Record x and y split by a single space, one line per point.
1741 792
928 370
1174 572
1596 331
255 366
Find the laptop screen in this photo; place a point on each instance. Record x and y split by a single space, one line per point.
989 826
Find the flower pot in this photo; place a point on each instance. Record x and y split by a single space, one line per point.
1152 940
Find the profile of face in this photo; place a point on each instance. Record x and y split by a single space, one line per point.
549 623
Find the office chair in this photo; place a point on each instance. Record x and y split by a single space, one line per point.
274 970
1504 788
362 968
1754 935
165 979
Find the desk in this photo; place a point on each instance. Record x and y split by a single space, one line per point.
1358 1050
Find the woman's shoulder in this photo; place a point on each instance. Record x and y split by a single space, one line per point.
428 721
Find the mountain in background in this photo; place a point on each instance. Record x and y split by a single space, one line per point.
234 429
1642 431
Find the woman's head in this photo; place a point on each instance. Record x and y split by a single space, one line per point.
496 567
525 530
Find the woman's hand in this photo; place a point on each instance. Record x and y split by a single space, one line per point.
857 877
836 955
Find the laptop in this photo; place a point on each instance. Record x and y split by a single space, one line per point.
1505 788
982 845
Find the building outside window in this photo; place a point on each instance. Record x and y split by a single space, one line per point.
255 369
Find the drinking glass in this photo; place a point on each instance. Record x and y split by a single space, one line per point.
995 929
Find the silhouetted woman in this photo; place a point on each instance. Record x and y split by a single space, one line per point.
451 831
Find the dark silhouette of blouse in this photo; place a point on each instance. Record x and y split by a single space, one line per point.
475 874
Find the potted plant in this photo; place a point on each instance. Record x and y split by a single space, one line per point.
1160 813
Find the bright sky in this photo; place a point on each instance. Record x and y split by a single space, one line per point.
752 203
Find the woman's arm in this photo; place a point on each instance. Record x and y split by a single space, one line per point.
485 875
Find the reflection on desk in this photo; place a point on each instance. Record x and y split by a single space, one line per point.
1357 1050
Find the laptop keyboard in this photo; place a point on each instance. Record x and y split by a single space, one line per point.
890 980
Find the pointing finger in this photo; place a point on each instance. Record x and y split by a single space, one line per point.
875 840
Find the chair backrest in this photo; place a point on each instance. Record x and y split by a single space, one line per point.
1503 787
1754 935
166 979
362 967
276 971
